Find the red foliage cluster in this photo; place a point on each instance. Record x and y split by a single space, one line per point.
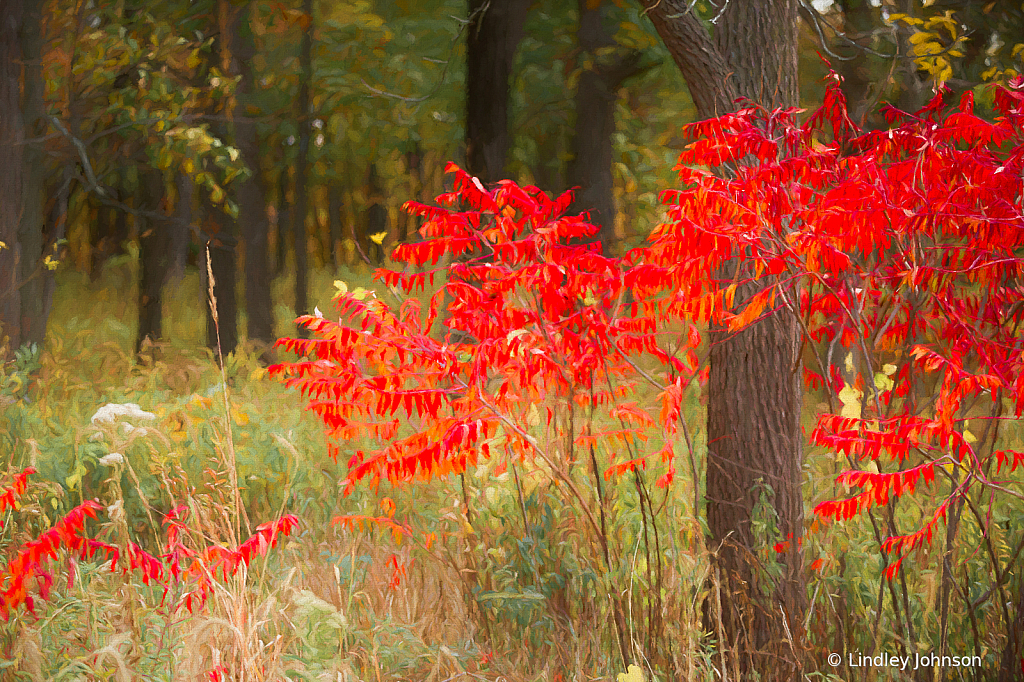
200 568
900 248
532 316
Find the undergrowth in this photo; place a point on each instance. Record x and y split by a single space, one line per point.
148 444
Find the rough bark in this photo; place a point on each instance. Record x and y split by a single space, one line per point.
252 213
596 95
754 437
11 148
495 29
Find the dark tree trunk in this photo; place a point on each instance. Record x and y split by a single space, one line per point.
859 20
302 164
1012 664
12 136
495 29
181 227
30 237
252 205
57 231
110 233
22 126
596 94
408 223
219 236
375 219
334 199
221 245
154 257
284 219
754 437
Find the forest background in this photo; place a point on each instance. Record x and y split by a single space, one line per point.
179 182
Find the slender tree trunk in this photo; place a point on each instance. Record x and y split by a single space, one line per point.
154 258
410 227
221 246
12 137
110 232
753 423
1011 666
252 205
302 165
596 95
495 29
58 226
181 226
220 253
284 218
334 200
375 218
859 19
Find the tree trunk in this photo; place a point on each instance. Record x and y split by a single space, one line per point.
334 200
12 136
22 111
302 164
56 232
154 258
252 205
109 231
596 95
1012 664
495 29
375 219
33 275
284 218
753 422
859 20
222 331
181 227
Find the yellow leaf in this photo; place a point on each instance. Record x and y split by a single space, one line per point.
633 674
850 398
378 238
241 418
